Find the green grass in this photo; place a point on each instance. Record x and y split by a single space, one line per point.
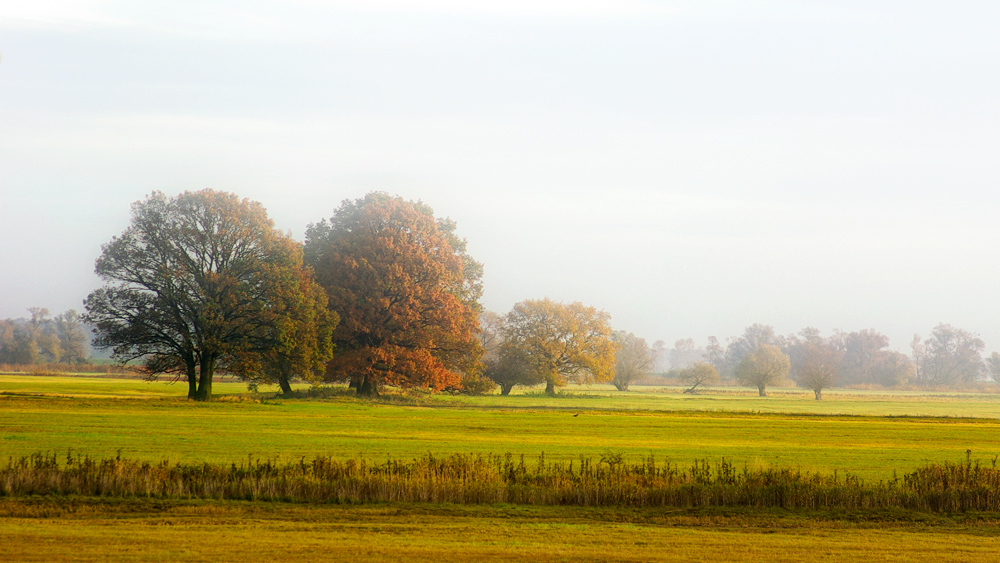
166 426
871 434
250 532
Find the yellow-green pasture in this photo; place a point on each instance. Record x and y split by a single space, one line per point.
248 532
100 416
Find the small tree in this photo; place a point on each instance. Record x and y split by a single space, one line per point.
633 359
510 367
818 368
767 365
701 373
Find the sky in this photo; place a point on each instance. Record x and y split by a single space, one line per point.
689 167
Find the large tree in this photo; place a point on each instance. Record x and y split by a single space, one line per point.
767 365
562 343
406 292
195 280
633 359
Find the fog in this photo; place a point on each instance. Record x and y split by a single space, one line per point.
690 167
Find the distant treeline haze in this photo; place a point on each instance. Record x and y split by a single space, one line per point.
41 339
950 357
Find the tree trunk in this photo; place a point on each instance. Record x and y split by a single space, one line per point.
286 387
192 375
819 394
355 383
368 388
691 390
550 388
505 389
761 392
205 379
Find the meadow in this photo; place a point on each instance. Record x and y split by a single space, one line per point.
872 435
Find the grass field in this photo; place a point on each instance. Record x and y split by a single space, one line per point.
249 532
866 433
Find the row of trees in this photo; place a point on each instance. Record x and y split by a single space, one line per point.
42 339
949 357
384 293
381 293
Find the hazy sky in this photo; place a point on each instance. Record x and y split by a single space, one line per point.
691 167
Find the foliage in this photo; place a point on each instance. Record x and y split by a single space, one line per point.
701 373
950 356
195 280
406 293
562 343
817 369
43 340
511 366
303 325
767 365
633 359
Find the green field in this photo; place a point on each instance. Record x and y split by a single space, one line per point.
870 434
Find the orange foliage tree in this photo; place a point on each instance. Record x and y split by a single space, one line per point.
406 293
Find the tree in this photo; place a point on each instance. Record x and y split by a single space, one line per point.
562 343
406 293
753 337
950 356
993 366
700 373
510 367
72 338
863 350
767 365
195 280
819 365
303 324
633 359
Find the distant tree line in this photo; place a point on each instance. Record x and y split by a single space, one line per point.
42 339
950 357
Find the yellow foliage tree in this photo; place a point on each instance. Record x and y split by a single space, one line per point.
562 343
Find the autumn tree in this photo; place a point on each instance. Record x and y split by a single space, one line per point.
633 359
195 280
818 366
406 293
699 373
562 343
767 365
510 367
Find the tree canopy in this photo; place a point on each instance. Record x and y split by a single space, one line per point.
633 359
405 290
562 343
767 365
195 280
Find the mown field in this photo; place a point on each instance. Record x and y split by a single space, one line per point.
874 435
